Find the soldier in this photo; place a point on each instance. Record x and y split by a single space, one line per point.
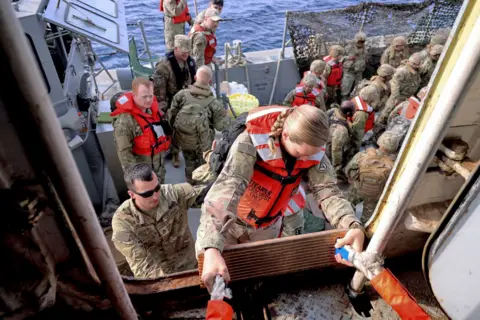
396 53
438 39
340 142
173 73
429 64
333 72
263 169
176 14
195 115
306 93
204 41
317 68
368 172
354 63
364 117
381 82
214 4
151 228
405 83
140 130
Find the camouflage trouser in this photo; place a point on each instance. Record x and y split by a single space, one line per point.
349 81
333 96
193 160
172 29
159 169
369 203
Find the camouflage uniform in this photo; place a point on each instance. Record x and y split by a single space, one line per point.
126 128
394 58
354 64
319 100
356 194
218 223
338 147
195 129
405 83
429 65
157 242
172 9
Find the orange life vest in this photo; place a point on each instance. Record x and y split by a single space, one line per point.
410 111
320 84
211 42
183 17
271 186
361 105
302 98
335 77
153 139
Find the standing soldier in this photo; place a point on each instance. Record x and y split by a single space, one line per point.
176 14
195 115
364 117
354 64
333 72
306 93
204 41
139 129
214 4
172 74
368 173
340 136
437 39
151 228
405 83
429 64
396 53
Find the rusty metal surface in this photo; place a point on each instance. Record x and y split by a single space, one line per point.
175 281
280 256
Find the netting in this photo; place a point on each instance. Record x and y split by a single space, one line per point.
312 33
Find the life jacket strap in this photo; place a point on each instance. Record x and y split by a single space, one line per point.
265 220
283 180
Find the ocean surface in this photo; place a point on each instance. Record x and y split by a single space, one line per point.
257 23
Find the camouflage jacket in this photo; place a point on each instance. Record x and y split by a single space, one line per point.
164 82
354 60
220 207
426 70
157 242
197 129
319 100
394 58
199 44
383 90
126 128
405 83
359 120
339 138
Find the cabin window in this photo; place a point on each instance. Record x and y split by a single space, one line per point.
39 63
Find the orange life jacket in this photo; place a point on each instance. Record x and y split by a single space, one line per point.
410 111
153 139
271 186
335 77
183 17
302 98
211 42
320 84
361 105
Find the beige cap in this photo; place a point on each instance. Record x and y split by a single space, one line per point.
439 39
385 70
213 14
389 141
436 49
369 94
182 42
399 40
360 36
310 80
416 58
318 66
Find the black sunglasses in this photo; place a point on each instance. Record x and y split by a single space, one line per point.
149 193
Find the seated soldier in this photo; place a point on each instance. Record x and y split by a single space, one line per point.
306 93
151 228
368 173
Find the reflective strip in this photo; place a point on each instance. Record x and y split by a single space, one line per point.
266 155
299 89
264 112
315 92
302 192
259 139
293 206
158 130
362 105
288 212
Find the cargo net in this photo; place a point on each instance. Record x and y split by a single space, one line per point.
312 33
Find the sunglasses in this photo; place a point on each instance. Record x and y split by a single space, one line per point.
149 193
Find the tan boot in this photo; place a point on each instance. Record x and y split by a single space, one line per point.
175 160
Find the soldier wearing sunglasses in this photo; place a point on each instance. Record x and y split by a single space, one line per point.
151 228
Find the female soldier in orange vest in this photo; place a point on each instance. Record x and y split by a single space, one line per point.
263 170
307 92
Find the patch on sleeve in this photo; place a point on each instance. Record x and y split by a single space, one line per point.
121 236
322 167
247 148
122 100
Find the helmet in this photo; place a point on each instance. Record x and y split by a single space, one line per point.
318 66
310 80
360 36
385 70
336 51
389 141
369 94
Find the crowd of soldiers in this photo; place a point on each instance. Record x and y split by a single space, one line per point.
176 111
